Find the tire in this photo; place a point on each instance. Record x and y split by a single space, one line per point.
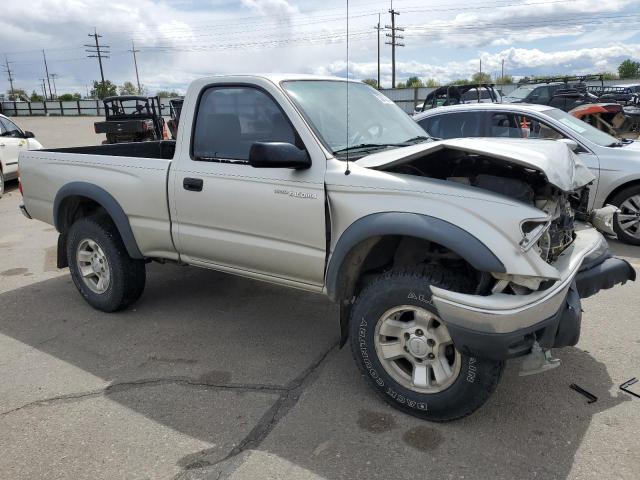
471 381
125 276
628 200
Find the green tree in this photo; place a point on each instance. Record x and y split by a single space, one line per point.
506 80
431 83
371 81
609 76
460 81
401 85
69 97
36 97
481 77
103 90
414 82
629 69
17 94
167 93
128 88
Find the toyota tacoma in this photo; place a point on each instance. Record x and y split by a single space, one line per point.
446 257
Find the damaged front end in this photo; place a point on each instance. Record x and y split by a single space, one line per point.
512 314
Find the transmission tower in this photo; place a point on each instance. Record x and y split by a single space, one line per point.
7 69
394 42
98 51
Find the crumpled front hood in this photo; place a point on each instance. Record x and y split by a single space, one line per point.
554 159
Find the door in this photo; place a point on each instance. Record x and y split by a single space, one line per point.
12 142
263 222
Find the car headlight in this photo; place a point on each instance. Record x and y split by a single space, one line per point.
532 230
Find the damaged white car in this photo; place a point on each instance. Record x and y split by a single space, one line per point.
446 258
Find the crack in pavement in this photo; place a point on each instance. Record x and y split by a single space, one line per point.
288 399
125 386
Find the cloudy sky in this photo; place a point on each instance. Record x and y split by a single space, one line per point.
180 40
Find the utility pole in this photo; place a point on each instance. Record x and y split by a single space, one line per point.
394 42
135 62
378 28
502 74
44 89
98 51
480 68
46 70
7 69
53 79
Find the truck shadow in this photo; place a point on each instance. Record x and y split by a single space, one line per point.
195 329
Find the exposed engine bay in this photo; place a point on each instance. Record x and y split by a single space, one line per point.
523 184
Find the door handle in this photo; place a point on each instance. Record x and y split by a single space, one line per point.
192 184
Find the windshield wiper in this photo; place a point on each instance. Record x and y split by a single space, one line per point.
364 146
417 139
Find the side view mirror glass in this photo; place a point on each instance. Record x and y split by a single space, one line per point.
278 155
572 144
28 134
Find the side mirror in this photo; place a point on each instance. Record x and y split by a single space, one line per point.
28 134
572 144
278 155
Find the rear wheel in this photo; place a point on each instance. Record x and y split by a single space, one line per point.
627 223
405 351
102 270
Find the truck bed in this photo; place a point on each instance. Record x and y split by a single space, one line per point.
160 149
135 175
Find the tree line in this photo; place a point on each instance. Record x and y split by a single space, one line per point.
627 69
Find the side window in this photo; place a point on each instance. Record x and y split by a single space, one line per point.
455 125
504 125
230 119
9 129
3 130
540 95
533 128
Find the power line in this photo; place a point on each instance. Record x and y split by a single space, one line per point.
135 63
46 70
98 51
53 79
9 73
378 28
394 42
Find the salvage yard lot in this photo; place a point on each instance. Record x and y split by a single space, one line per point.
215 376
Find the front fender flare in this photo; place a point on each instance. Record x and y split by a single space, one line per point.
104 199
409 224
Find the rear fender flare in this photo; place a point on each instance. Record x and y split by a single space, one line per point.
106 201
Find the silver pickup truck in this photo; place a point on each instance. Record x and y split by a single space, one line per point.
446 257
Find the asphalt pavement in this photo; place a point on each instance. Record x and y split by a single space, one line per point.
211 376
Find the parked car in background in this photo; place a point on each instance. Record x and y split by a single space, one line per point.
13 140
455 94
445 258
614 162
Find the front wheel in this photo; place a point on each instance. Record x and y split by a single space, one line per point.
102 270
405 351
627 223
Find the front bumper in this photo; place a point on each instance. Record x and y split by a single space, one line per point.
502 326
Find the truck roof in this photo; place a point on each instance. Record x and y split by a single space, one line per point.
280 77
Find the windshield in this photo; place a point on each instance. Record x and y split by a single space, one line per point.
374 120
520 92
582 128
